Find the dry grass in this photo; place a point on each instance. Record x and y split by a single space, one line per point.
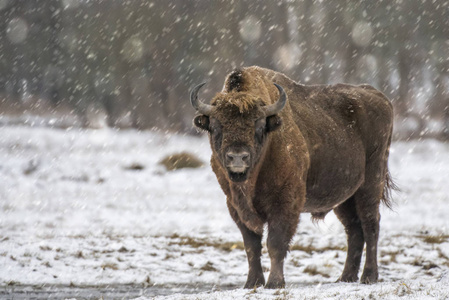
424 264
312 270
109 265
180 161
282 294
135 167
209 266
392 255
198 243
444 257
434 239
312 249
403 290
45 248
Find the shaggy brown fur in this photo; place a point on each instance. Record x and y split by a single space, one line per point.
242 100
327 149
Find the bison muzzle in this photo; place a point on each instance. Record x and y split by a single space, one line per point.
280 148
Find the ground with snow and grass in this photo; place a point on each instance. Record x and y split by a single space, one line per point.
92 213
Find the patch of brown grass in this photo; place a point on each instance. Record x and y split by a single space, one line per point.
393 256
198 243
209 266
135 167
282 294
313 270
424 264
403 290
112 266
312 249
434 239
181 160
45 248
443 256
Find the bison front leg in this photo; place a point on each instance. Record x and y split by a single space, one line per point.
253 247
280 233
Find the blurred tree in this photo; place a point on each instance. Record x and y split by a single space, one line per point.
132 63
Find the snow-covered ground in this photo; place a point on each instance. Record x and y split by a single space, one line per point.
77 215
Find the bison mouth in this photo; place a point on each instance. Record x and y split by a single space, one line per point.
238 177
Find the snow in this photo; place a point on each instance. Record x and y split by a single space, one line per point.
17 30
362 34
250 28
74 214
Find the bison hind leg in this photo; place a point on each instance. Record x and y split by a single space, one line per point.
347 214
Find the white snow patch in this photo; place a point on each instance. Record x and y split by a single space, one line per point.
73 212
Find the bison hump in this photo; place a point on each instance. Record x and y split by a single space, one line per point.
235 81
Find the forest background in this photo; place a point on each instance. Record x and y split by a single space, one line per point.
132 63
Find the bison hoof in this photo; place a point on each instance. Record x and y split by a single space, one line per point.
348 278
369 276
254 283
272 284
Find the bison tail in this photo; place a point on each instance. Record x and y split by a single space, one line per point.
389 187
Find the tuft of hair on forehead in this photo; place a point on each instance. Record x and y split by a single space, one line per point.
241 100
243 88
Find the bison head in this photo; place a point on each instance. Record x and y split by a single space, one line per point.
238 124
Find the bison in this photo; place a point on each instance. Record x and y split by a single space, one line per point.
281 148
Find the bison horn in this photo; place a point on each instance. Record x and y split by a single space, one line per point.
200 107
275 108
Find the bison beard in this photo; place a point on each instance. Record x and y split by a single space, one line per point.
238 177
325 148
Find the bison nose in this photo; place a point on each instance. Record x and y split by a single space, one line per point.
237 162
237 157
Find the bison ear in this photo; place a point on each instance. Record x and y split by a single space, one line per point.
202 122
273 123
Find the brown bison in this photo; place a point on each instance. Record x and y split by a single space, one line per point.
280 148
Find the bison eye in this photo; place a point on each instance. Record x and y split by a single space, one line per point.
273 123
266 125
